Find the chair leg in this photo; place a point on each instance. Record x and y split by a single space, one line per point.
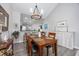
47 51
53 51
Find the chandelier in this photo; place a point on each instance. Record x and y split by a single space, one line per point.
36 14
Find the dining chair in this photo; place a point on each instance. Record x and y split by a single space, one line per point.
8 51
25 39
29 45
50 35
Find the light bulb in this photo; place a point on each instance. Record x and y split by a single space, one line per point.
42 11
31 10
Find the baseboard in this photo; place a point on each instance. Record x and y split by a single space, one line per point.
76 47
66 47
18 42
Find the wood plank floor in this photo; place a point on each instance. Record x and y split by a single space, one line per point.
20 50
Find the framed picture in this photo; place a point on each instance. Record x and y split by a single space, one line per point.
4 18
0 28
45 26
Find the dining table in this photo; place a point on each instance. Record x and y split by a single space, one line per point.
42 42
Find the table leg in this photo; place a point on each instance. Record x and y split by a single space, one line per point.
12 49
55 48
30 51
40 51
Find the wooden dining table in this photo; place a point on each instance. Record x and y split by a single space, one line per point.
42 42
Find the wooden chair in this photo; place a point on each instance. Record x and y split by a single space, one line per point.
50 35
29 45
8 50
25 39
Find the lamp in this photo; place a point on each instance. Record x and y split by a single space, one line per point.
36 14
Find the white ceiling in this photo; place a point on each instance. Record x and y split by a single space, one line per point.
25 7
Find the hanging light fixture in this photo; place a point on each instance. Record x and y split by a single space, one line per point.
36 14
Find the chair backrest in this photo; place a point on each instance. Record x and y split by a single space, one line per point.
29 45
25 36
52 35
29 41
9 42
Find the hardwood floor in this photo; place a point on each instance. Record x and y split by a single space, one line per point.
20 50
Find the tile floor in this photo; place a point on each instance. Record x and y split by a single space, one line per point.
20 50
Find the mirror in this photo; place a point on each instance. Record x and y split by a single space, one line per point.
4 18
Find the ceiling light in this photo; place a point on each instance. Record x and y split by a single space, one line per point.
31 10
36 14
42 11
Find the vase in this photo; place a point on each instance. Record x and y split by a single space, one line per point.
39 34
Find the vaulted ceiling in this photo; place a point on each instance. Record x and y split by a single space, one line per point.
25 7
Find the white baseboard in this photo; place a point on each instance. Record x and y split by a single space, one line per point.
18 42
76 47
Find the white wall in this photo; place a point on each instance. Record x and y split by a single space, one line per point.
16 20
69 12
14 16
